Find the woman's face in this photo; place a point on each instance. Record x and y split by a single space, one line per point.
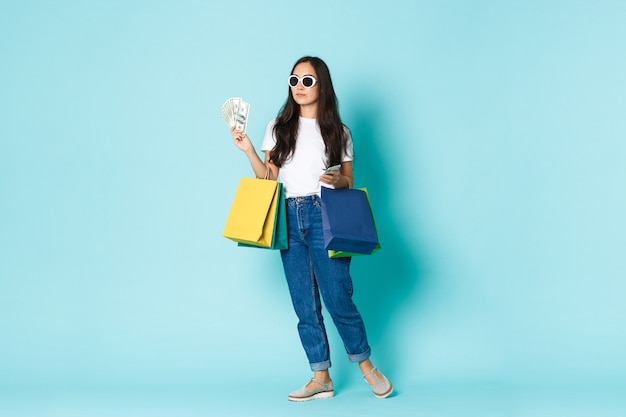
302 95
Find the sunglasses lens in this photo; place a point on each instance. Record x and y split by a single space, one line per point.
293 81
308 81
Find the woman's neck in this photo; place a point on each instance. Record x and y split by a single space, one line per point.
308 112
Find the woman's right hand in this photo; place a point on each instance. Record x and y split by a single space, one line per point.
242 141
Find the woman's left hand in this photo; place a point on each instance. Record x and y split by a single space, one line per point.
333 178
341 178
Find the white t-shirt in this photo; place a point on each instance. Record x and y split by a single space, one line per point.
301 171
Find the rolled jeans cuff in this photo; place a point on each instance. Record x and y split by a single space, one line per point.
320 366
361 356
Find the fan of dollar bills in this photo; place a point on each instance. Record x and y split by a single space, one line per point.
235 113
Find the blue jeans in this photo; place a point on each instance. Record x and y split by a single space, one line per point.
310 272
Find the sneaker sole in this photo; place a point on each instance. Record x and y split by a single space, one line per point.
318 396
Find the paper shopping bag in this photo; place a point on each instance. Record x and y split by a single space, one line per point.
280 240
347 220
252 219
342 254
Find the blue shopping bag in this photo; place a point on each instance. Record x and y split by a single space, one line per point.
347 221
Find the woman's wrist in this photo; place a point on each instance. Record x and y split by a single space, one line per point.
251 152
344 182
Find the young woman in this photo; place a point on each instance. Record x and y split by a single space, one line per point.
304 140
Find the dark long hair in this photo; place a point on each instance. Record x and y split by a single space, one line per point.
331 127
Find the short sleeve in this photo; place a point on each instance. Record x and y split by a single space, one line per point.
348 154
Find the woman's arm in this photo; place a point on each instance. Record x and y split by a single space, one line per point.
273 169
260 167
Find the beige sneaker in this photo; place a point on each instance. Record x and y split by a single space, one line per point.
382 387
304 394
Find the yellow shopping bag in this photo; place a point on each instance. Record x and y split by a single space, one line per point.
252 217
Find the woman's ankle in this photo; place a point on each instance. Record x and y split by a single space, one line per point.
366 366
322 376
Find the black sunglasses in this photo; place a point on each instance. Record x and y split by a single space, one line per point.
308 81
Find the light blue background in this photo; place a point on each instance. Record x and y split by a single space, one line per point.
490 135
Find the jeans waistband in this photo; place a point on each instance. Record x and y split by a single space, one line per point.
302 199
